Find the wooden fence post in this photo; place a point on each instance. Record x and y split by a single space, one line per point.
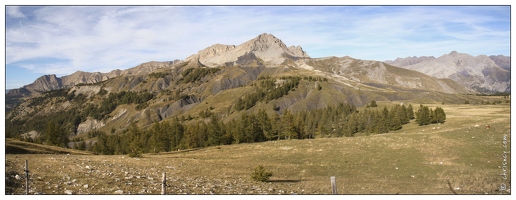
164 184
26 177
333 185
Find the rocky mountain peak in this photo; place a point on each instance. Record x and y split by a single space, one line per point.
265 46
47 83
263 42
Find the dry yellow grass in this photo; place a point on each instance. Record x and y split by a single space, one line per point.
457 158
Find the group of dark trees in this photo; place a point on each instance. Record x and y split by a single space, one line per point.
425 115
113 100
268 89
332 121
194 74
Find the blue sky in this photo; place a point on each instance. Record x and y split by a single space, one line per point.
63 39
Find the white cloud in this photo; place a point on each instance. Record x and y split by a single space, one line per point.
14 12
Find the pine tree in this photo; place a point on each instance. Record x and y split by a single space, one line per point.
276 127
410 112
438 115
287 119
134 135
423 116
372 104
55 135
214 132
265 124
352 125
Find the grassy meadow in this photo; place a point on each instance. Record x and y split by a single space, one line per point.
460 156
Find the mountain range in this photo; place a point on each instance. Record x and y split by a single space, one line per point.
478 73
218 77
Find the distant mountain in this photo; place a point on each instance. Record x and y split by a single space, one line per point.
479 73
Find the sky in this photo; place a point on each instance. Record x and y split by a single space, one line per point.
61 40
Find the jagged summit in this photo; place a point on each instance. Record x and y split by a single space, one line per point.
265 46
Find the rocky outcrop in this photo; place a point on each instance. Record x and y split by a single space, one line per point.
89 125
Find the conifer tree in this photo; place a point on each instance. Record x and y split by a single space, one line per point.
265 124
410 112
214 132
287 119
423 116
438 115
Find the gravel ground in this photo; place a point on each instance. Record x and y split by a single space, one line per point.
80 174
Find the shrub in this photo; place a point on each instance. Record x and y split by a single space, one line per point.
261 174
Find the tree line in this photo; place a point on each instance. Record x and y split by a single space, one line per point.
342 120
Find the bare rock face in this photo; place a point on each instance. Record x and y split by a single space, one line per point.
89 125
265 47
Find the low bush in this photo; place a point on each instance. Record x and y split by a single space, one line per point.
261 174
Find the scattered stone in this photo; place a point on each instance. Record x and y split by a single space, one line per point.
18 177
119 192
86 186
68 192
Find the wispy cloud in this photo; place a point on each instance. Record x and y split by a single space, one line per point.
14 12
103 38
